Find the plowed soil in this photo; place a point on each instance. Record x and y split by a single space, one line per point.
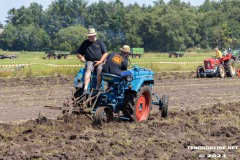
203 113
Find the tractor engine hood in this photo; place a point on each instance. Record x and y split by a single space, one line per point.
141 76
211 63
138 72
212 60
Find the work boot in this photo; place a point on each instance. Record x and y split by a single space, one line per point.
85 92
84 95
95 92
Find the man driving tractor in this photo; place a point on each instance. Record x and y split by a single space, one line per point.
218 53
116 63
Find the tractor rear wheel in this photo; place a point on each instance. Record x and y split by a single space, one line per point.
231 68
200 72
221 71
164 106
142 104
103 114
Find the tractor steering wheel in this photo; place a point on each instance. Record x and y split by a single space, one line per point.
129 62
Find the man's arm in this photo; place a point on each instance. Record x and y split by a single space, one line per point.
104 56
81 53
125 64
82 59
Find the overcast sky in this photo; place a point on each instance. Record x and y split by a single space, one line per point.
6 5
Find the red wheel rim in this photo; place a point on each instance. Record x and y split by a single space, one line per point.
143 107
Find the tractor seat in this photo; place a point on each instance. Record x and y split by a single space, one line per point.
125 73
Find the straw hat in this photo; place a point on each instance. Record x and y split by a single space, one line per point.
91 32
126 49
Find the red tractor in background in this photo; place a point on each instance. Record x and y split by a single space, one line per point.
222 67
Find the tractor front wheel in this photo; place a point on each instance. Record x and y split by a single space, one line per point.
200 72
221 71
103 114
164 106
143 102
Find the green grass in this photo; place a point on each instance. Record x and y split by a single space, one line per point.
148 60
38 57
38 70
188 57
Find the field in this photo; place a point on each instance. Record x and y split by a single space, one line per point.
38 65
202 113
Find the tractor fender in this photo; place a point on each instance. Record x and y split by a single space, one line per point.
138 83
79 76
80 79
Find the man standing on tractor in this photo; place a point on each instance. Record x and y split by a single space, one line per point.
225 52
93 52
218 53
117 62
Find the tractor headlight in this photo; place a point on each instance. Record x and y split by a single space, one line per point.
129 78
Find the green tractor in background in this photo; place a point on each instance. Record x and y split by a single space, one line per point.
137 52
236 54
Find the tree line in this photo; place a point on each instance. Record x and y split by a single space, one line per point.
162 27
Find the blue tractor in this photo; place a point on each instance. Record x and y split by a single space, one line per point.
127 97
